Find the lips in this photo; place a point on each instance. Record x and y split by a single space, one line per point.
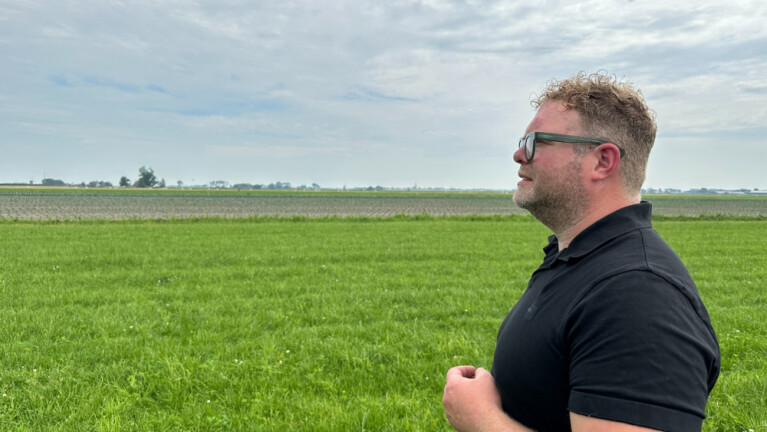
524 181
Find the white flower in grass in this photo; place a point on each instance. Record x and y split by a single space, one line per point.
5 395
287 351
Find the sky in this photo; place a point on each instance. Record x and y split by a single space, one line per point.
365 92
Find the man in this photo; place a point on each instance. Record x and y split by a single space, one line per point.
611 334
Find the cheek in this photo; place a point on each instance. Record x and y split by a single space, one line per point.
574 170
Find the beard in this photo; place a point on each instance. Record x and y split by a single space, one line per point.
557 199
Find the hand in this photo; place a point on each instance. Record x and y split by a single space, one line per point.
471 400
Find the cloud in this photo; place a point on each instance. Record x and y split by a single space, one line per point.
111 84
369 95
758 89
423 78
235 108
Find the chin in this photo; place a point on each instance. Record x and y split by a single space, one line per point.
521 199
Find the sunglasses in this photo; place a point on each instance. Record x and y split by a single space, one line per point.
530 139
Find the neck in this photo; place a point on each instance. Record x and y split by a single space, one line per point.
593 212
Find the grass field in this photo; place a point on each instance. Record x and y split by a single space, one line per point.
310 325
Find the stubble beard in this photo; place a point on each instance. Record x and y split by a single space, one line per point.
558 200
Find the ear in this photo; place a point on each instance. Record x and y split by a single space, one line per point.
607 157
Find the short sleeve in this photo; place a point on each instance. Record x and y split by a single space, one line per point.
640 354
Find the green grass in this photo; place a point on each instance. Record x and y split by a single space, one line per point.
315 325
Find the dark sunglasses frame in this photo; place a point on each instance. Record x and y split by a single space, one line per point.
530 140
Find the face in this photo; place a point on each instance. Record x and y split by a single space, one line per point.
551 186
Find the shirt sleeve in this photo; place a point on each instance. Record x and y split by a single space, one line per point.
640 354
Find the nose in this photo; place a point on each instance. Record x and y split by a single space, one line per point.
519 155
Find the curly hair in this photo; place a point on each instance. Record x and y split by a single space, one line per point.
612 110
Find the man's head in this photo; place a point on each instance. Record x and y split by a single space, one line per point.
611 110
592 141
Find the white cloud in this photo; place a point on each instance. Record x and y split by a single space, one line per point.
432 84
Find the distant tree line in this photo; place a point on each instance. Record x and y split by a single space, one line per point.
703 191
53 182
148 179
93 184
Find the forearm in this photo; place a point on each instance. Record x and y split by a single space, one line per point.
500 422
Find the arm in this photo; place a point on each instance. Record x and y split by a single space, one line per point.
581 423
641 342
472 402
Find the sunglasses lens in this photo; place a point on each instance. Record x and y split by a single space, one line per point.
529 147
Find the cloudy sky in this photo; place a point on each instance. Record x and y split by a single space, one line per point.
364 92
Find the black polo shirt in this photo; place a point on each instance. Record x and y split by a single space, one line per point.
611 327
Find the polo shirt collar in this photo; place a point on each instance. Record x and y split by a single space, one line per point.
619 222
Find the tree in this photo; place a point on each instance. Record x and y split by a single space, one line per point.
146 178
53 182
124 181
279 185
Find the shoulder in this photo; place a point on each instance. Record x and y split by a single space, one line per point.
648 277
642 298
633 300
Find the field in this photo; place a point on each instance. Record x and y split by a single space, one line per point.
325 324
152 204
112 204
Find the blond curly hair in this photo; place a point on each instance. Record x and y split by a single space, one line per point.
611 110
